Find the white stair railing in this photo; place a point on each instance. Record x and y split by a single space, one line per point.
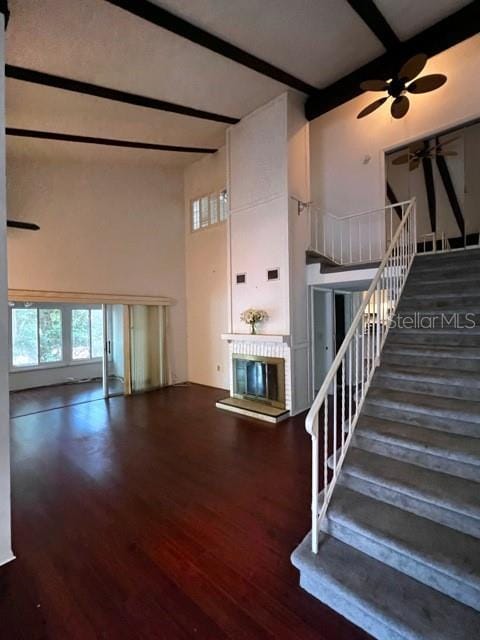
351 372
357 238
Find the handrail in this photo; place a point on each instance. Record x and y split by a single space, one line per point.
357 359
362 213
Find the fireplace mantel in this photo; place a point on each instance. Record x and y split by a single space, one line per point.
254 337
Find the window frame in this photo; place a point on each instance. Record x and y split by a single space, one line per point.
216 195
66 312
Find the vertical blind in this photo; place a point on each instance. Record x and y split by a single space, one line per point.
148 353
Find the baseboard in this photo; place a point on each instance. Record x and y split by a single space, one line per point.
7 560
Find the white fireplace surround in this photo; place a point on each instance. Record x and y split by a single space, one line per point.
268 346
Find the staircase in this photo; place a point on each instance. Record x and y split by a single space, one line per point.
399 545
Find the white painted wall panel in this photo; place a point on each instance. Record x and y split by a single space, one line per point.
258 156
260 242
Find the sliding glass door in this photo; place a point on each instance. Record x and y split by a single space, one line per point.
114 351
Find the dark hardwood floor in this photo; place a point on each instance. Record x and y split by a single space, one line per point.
159 516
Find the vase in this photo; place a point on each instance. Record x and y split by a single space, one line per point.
254 330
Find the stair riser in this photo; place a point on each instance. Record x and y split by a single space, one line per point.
420 457
406 337
333 597
421 360
401 560
439 413
459 392
446 289
455 277
466 308
459 521
428 421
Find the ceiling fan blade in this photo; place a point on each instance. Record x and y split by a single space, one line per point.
371 107
17 224
427 83
402 159
414 164
416 147
374 85
442 144
400 107
413 67
446 153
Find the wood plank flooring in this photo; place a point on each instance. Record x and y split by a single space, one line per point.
56 396
159 516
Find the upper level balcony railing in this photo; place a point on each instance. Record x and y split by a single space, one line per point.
357 238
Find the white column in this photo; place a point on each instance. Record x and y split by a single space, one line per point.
5 523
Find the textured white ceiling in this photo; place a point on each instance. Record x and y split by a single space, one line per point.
52 150
409 17
318 41
32 106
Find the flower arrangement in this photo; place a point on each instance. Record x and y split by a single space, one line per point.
252 316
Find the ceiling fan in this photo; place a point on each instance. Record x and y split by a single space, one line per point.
420 150
403 82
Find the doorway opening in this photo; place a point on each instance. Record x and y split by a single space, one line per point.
441 172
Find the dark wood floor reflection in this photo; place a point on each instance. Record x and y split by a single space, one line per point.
23 403
159 516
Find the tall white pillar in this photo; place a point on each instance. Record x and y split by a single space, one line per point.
5 520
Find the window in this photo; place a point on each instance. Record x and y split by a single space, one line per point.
53 335
223 201
36 336
87 334
209 210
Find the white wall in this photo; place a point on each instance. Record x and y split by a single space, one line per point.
5 532
259 223
342 182
111 222
207 279
53 375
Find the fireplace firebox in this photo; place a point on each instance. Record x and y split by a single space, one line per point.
259 378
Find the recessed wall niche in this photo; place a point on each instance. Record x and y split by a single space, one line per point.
273 274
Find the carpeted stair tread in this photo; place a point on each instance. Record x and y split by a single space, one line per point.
388 479
451 446
436 555
468 353
430 374
452 408
385 602
449 383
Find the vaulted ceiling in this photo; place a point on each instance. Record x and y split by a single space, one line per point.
112 44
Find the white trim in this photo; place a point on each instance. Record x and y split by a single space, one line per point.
35 295
253 337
